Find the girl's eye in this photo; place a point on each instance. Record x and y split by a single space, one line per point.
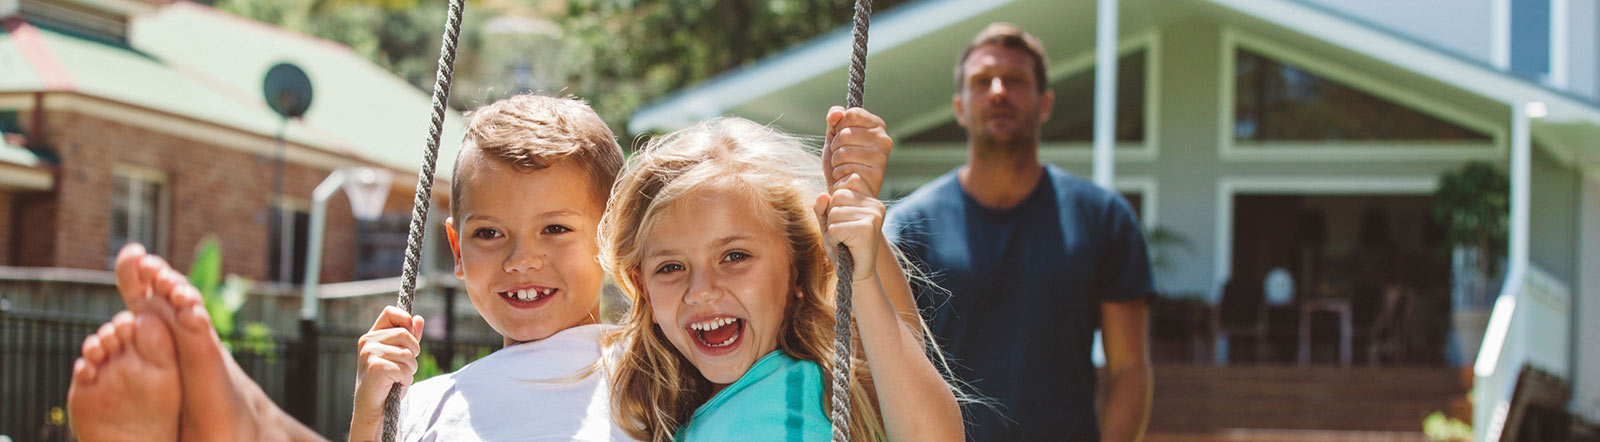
735 257
669 268
486 233
556 229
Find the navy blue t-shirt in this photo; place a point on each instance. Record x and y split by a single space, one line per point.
1018 296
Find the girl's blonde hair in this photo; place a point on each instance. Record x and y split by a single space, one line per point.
655 389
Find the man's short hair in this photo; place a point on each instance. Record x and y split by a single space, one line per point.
532 132
1009 36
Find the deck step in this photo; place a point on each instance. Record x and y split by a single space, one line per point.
1305 403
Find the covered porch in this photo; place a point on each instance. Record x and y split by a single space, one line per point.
1257 138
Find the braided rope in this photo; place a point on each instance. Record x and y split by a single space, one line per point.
424 197
845 262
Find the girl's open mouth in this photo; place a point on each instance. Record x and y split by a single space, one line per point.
718 335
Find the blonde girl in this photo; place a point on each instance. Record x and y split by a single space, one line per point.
730 333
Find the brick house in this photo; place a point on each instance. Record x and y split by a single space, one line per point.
144 120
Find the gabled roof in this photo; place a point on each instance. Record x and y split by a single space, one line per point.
913 47
195 62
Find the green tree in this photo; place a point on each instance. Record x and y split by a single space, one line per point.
625 53
618 54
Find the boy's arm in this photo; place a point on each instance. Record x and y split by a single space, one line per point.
388 356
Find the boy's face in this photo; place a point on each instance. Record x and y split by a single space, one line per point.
526 247
718 280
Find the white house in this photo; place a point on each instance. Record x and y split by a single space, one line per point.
1304 134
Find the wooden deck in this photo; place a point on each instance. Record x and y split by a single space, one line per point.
1251 403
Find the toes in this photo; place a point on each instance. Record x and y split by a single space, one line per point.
185 297
108 340
93 350
127 270
122 325
166 282
153 340
194 318
83 371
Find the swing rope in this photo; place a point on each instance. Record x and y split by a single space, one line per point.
844 265
424 197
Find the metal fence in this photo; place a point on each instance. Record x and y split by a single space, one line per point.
37 350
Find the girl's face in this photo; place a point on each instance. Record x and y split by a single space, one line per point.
718 279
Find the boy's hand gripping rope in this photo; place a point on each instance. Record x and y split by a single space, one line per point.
844 265
419 206
419 218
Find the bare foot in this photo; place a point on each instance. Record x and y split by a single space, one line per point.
126 386
215 406
220 401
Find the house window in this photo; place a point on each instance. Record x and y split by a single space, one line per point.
1072 117
290 225
1530 38
1276 101
138 210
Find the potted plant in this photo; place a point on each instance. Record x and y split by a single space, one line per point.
1472 205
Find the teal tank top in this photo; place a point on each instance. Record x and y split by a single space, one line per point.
778 399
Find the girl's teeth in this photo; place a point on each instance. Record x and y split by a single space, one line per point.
711 324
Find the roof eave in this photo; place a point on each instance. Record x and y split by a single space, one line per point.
824 54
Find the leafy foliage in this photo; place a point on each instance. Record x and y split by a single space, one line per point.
618 54
224 297
628 52
1472 204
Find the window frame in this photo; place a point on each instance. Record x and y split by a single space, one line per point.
1230 149
1147 150
140 178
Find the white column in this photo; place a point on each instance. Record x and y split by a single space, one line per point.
1502 352
1560 40
1500 34
1105 94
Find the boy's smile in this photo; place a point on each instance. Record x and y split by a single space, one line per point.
526 246
718 281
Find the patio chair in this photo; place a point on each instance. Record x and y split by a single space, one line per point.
1388 333
1242 313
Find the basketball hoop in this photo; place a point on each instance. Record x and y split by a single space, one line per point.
367 189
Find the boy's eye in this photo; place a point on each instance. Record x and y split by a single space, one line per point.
735 257
556 229
669 268
486 233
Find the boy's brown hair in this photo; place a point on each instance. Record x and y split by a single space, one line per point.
1006 35
532 132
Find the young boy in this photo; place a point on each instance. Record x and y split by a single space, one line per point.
526 199
531 183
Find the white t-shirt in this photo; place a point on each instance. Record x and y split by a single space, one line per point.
525 392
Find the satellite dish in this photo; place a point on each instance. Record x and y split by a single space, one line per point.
287 90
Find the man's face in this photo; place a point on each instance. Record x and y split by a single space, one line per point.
527 248
999 102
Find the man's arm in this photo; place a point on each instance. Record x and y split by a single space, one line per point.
1125 332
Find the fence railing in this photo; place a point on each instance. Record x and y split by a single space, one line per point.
37 350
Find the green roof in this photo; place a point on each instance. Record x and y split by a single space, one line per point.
18 155
192 60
